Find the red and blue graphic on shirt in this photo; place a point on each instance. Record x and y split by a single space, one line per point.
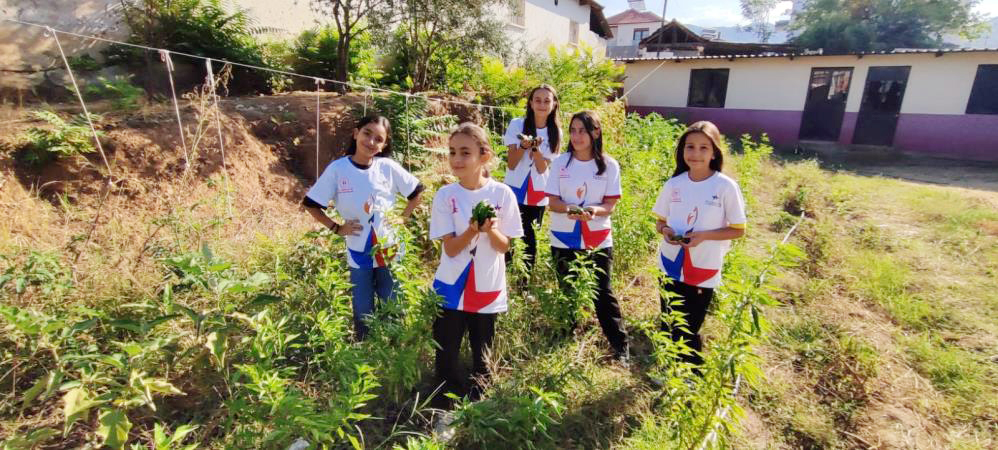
526 194
581 237
474 300
681 267
368 258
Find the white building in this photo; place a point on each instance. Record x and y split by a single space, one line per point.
538 24
937 102
629 28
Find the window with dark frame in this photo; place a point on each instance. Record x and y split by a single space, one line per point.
708 88
984 93
639 34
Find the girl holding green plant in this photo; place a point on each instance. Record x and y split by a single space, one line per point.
475 218
363 186
699 211
533 143
583 191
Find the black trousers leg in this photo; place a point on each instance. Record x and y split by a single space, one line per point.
694 302
607 306
529 215
481 331
448 332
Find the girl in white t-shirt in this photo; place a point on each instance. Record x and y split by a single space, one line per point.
583 191
527 160
362 186
471 277
699 210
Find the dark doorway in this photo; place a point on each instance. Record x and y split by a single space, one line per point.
826 103
878 114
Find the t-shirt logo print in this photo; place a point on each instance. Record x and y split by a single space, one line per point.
581 192
345 186
682 267
368 258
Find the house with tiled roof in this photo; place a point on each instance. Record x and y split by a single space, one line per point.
629 28
538 24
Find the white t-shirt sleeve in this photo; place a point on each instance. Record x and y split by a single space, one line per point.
324 189
515 127
402 181
510 224
734 205
612 180
662 203
441 222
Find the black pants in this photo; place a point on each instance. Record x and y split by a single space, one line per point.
448 331
694 304
528 216
607 307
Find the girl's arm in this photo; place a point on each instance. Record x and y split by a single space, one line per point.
513 155
556 205
663 228
540 162
410 205
498 240
454 244
350 227
720 234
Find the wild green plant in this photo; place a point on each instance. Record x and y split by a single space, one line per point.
124 95
413 130
39 271
61 138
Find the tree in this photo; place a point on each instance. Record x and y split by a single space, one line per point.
842 26
758 12
353 18
458 28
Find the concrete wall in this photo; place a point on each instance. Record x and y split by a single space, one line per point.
768 94
548 24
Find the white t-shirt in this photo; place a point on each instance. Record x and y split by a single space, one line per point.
528 184
577 183
365 195
688 205
475 279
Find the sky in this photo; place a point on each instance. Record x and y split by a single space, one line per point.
723 13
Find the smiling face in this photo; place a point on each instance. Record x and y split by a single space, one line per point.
698 152
542 102
466 157
371 140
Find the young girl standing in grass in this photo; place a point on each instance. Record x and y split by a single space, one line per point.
471 277
362 187
699 210
583 190
528 160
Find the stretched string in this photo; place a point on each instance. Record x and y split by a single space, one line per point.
79 95
318 106
248 66
164 55
218 126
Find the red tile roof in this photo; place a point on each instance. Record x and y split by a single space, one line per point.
633 16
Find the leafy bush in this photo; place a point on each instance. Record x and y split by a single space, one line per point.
314 53
62 138
124 95
200 27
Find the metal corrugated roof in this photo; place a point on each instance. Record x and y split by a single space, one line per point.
897 51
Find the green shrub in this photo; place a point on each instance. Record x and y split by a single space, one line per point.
60 139
124 95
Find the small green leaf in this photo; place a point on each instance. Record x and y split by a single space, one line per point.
77 403
114 427
41 385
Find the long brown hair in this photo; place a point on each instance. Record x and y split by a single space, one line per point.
707 129
553 123
590 120
479 135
